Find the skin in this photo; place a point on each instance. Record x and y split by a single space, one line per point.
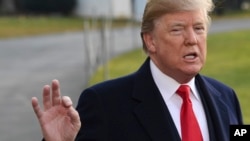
58 119
177 45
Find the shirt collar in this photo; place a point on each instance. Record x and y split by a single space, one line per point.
167 85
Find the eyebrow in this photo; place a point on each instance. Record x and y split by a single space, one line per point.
179 24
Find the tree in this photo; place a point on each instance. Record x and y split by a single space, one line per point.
223 5
45 6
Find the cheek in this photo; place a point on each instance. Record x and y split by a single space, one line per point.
203 46
170 54
171 50
203 52
168 46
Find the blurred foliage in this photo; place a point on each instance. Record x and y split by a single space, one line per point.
45 6
222 7
236 14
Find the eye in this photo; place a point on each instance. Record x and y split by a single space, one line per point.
176 31
199 29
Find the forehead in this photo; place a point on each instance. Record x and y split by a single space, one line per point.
183 17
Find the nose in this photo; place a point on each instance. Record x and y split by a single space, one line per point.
190 37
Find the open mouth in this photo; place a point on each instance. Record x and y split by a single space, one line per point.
191 56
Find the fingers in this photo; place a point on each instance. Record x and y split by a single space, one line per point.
72 113
56 98
51 95
36 108
66 101
46 97
74 116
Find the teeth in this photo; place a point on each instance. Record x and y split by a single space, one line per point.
190 57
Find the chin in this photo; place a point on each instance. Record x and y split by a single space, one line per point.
192 72
193 68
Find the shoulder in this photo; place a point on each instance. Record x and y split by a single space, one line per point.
109 88
219 91
211 82
114 84
217 88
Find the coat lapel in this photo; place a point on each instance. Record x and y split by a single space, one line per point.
151 110
216 110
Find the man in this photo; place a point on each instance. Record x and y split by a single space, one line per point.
148 105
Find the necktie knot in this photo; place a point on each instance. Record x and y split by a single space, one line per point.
184 92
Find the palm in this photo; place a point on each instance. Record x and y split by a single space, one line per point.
56 122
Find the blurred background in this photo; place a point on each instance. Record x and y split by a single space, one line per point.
83 42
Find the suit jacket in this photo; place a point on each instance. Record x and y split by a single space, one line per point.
131 108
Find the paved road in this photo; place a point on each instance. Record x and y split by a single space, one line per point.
29 63
229 25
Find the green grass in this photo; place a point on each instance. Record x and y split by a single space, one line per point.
26 26
121 65
19 26
227 61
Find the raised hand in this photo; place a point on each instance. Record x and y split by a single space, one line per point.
58 119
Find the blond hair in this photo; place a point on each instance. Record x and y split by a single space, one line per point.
156 8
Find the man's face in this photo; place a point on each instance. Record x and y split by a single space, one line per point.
177 45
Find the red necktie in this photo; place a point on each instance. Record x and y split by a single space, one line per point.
190 129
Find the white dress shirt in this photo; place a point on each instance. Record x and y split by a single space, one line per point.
167 87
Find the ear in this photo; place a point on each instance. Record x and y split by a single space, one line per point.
149 42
